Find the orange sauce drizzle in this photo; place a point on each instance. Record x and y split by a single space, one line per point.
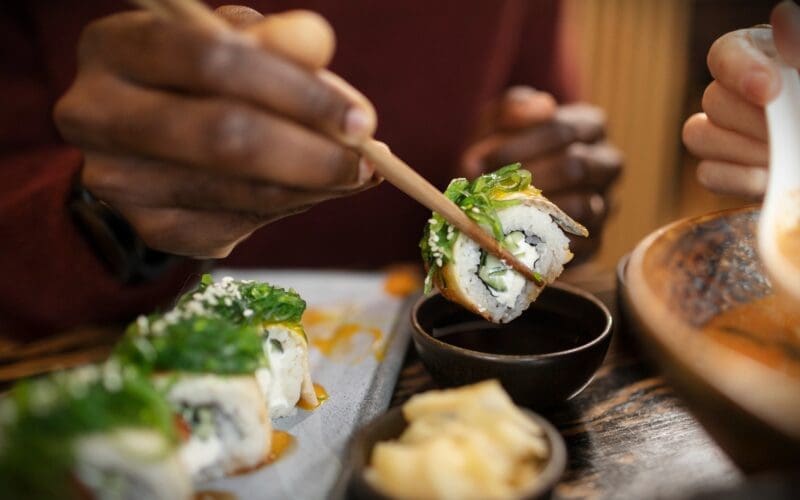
281 443
402 280
313 317
322 396
344 333
766 330
214 495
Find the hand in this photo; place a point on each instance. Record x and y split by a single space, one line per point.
563 147
730 137
198 138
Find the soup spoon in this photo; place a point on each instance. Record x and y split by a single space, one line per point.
779 225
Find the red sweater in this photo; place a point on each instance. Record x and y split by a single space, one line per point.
427 66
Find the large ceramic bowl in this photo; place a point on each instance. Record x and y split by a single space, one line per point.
742 383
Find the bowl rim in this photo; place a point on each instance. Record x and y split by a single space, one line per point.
550 475
417 330
741 390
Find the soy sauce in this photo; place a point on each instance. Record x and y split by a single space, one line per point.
545 332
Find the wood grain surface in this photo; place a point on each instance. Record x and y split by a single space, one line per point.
627 434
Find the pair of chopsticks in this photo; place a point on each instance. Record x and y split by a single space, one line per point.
389 166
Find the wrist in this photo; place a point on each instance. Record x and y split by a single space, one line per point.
115 241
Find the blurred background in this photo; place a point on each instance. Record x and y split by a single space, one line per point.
644 62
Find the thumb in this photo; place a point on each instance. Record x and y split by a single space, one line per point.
301 36
785 21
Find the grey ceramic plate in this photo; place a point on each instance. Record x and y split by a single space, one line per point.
360 378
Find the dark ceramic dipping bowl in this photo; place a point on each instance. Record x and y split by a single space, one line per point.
544 357
392 424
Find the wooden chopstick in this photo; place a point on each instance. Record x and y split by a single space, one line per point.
407 180
392 168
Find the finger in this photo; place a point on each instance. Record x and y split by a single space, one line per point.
785 21
728 110
152 183
732 179
740 66
239 16
586 207
219 135
587 122
571 123
191 233
707 141
537 141
184 57
498 150
523 106
590 166
301 36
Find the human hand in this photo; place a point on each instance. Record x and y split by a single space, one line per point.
730 136
563 146
199 138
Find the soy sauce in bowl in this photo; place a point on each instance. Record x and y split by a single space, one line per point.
544 357
552 332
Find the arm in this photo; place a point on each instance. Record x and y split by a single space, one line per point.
51 278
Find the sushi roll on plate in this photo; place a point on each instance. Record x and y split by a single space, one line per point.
276 313
206 368
98 432
517 215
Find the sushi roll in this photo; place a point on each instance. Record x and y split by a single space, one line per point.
205 366
95 432
276 312
517 215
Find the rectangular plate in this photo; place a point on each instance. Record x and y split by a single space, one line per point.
359 374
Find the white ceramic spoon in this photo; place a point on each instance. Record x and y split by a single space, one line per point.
779 226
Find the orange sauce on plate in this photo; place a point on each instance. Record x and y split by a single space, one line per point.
344 333
766 330
281 443
402 280
322 396
214 495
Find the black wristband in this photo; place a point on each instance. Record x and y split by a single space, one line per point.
115 241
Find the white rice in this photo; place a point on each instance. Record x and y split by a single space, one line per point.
282 382
242 430
540 230
137 462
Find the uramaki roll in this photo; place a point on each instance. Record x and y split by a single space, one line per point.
276 313
206 368
528 224
99 431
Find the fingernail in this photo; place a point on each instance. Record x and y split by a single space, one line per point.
760 86
356 123
365 170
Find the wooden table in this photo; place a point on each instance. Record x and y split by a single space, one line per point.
627 434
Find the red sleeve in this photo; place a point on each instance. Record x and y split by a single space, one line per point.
51 279
541 61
